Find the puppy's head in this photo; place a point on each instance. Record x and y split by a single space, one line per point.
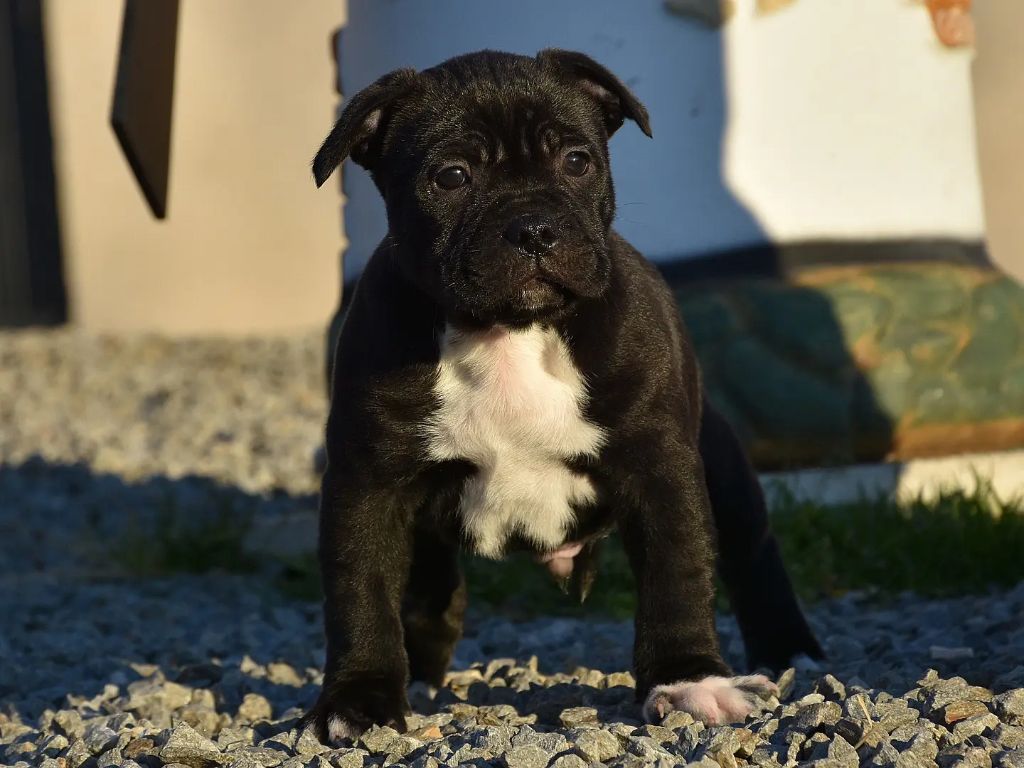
494 169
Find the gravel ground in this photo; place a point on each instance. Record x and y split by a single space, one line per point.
213 669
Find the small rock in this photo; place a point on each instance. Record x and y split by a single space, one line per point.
851 728
767 756
186 746
553 743
139 746
885 755
598 746
253 708
283 741
677 719
255 757
203 719
348 758
402 746
494 739
308 744
746 741
426 733
283 674
230 738
809 699
568 761
940 693
816 715
77 754
526 756
463 678
620 678
576 716
657 732
19 749
830 687
1009 736
973 726
496 714
765 728
785 682
891 715
462 711
964 757
378 739
1011 759
923 746
69 722
99 738
835 753
1010 706
961 710
647 748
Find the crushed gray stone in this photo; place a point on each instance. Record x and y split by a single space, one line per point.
100 667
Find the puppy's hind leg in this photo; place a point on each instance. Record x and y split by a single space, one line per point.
433 608
773 626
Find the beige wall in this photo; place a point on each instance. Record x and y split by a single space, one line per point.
999 113
249 245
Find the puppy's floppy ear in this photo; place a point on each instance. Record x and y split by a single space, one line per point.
360 128
616 100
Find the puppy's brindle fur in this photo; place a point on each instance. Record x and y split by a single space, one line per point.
513 375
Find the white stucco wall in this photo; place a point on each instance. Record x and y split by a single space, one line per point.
829 119
849 119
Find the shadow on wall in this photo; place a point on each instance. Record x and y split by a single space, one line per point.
774 354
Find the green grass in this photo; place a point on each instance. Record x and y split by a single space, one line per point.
960 543
215 543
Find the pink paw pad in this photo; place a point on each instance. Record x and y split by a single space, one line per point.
714 700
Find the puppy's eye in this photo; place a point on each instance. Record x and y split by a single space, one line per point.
576 163
451 177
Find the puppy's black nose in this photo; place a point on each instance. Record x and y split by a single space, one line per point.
532 233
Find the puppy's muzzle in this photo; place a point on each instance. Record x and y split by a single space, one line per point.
533 234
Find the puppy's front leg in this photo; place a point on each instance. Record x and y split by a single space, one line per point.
364 562
668 539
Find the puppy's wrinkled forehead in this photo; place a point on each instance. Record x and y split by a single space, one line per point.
501 107
495 101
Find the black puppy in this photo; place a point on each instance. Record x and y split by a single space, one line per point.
513 375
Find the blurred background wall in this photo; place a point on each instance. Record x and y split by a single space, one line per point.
248 245
999 115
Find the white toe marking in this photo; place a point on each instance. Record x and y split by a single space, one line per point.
714 700
339 729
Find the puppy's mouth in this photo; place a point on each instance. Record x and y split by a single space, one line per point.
538 291
500 285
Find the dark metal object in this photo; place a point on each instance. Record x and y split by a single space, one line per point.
144 94
31 281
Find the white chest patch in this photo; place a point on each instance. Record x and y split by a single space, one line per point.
511 402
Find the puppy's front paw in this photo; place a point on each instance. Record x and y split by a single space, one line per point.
714 700
345 711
